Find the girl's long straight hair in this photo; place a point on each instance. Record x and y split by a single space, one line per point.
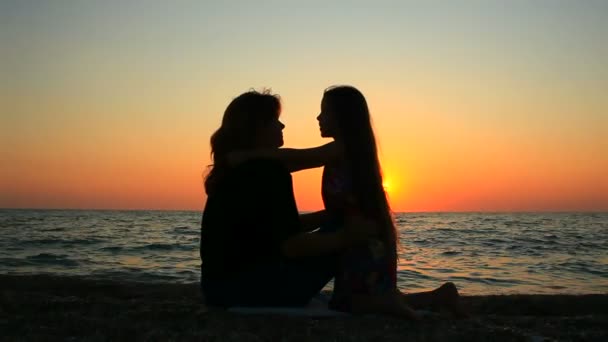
351 113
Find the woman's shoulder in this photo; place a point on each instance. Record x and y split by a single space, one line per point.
260 170
259 165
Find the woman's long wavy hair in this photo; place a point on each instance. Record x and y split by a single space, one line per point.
242 118
349 108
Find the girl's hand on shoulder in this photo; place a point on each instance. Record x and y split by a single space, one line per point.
238 157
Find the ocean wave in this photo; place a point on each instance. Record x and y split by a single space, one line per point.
112 249
50 241
163 247
185 231
413 274
54 229
12 262
487 280
52 259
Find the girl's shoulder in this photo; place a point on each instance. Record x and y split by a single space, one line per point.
336 170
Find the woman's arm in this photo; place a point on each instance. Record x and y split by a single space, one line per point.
315 244
312 221
293 158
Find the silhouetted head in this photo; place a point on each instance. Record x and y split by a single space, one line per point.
251 121
345 117
344 113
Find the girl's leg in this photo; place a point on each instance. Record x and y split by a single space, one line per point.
389 304
419 300
446 296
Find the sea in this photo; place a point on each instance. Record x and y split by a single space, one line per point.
482 253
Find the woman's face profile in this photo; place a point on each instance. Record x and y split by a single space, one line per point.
270 135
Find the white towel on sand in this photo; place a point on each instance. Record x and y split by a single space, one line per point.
316 308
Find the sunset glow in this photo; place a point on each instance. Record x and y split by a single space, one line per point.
488 107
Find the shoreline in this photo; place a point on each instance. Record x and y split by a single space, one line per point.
45 307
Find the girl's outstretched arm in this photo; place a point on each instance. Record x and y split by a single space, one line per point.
295 159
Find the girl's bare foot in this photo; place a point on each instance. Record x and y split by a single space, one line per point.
389 304
447 297
394 305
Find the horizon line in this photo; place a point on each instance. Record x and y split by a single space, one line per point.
308 211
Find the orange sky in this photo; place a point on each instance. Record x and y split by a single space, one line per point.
482 108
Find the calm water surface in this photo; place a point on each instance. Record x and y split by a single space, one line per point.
481 253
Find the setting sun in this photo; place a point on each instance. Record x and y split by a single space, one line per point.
390 186
387 186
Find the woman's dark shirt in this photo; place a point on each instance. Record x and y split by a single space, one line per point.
250 213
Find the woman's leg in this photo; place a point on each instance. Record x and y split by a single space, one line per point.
288 284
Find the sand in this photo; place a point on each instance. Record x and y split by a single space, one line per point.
38 307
